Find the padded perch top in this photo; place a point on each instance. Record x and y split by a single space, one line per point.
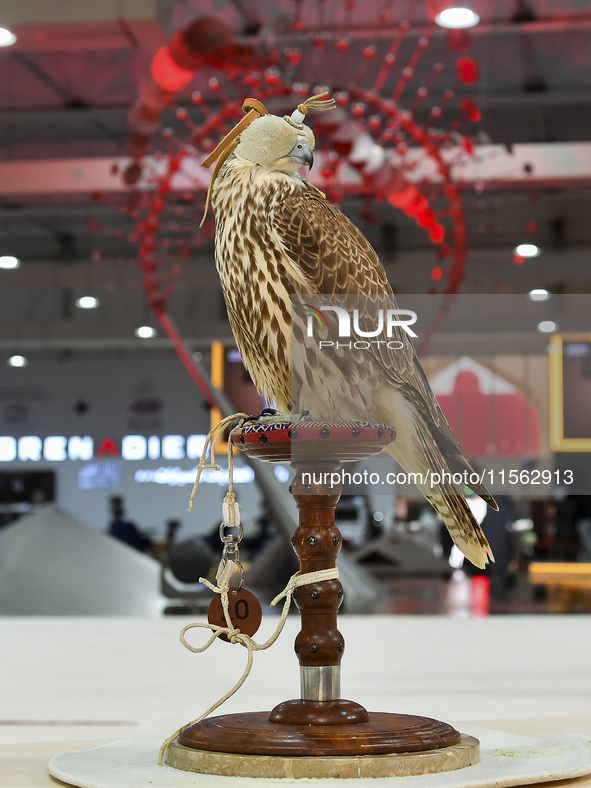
301 441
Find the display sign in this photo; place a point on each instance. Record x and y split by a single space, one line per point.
570 392
57 448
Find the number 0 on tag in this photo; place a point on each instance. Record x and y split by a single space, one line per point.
244 608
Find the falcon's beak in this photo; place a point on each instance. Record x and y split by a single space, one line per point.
302 153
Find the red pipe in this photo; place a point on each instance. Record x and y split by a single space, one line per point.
184 355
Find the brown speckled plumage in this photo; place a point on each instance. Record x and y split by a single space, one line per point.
277 236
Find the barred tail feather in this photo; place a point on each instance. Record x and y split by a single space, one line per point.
449 504
463 528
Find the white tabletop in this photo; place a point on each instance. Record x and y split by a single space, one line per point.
69 682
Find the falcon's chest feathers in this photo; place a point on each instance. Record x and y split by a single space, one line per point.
258 277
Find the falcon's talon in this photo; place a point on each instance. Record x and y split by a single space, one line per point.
276 417
248 419
268 416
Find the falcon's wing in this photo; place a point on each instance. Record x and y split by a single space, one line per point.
330 250
335 258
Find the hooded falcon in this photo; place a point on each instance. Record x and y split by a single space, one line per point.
277 236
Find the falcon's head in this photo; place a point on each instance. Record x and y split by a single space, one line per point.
277 143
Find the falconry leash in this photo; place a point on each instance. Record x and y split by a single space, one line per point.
228 566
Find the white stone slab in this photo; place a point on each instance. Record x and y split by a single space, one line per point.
506 760
134 671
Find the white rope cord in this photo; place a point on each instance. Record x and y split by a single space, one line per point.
212 442
226 571
236 636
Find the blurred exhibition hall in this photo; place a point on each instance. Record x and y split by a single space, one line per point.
460 145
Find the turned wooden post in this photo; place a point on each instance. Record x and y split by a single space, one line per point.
319 645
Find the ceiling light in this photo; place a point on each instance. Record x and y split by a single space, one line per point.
87 302
527 250
457 17
7 39
7 261
539 294
17 361
145 332
547 326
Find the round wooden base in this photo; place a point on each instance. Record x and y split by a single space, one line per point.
465 753
253 733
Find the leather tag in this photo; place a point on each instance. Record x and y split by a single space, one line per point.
244 608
